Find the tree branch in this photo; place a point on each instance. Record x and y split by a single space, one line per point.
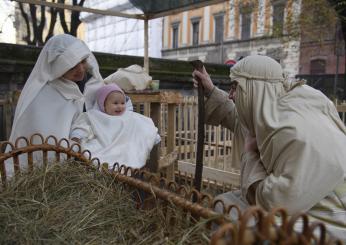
62 18
53 15
26 19
75 21
41 26
34 22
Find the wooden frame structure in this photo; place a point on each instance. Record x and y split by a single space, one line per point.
145 16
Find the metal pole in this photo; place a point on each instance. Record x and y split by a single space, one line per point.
146 46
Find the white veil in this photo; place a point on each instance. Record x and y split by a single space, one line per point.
61 53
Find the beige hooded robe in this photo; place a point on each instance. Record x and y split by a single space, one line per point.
220 110
301 142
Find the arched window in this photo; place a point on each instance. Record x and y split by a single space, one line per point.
318 66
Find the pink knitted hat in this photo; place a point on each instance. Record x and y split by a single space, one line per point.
104 91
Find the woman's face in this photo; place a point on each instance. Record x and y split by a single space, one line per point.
115 104
77 72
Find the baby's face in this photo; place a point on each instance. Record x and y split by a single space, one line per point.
115 104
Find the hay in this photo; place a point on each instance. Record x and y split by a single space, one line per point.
68 204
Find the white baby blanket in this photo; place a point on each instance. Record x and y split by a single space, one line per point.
126 139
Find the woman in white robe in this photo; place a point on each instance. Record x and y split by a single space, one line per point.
51 98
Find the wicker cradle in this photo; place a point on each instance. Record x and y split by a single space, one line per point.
200 205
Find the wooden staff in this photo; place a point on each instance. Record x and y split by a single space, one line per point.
198 65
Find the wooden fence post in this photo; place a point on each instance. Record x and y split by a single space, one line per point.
155 114
170 139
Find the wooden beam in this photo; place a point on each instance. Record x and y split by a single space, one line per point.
185 8
211 173
83 9
120 14
146 45
169 97
341 107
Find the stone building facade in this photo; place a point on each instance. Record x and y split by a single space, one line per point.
233 29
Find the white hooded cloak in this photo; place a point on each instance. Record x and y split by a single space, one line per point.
48 104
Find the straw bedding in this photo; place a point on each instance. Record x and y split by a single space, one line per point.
69 204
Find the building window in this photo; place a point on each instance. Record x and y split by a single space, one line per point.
175 33
218 28
245 26
195 32
278 16
245 10
318 66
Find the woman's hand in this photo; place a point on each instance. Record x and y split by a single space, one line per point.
206 82
250 144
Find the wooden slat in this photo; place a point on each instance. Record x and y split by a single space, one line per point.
180 141
155 109
185 130
2 172
224 132
341 107
217 142
191 129
194 133
207 142
221 176
209 128
155 97
10 99
170 139
147 110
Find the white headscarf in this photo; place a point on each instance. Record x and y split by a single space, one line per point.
61 53
300 137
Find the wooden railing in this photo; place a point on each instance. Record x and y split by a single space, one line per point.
217 150
178 131
8 102
176 117
341 108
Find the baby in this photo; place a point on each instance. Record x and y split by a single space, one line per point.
114 134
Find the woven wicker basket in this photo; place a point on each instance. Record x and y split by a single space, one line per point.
200 205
